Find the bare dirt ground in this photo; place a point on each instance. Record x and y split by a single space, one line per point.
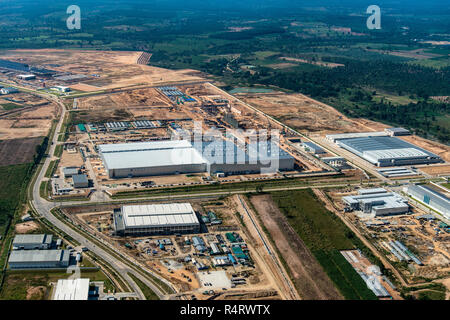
29 123
436 170
26 227
117 69
308 275
71 160
16 151
36 293
306 114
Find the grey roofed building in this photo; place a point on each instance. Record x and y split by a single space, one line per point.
156 219
397 131
70 171
384 151
80 181
32 241
227 157
35 259
314 148
435 200
377 201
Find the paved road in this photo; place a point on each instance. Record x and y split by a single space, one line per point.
44 207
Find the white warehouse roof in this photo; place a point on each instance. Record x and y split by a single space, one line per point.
72 289
141 216
149 154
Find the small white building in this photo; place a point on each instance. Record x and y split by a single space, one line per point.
26 76
72 289
61 89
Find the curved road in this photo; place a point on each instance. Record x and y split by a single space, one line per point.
44 207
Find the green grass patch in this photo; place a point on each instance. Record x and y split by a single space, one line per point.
10 106
148 293
58 150
13 181
51 168
325 235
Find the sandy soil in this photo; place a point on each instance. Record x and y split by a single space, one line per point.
71 160
36 293
26 227
436 170
28 124
309 276
115 68
307 115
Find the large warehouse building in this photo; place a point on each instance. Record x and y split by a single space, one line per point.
36 259
377 201
180 156
433 199
151 158
227 157
32 241
385 151
156 219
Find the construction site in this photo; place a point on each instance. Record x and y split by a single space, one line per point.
416 243
221 260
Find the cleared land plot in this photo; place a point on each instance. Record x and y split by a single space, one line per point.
17 151
115 69
308 275
306 114
324 234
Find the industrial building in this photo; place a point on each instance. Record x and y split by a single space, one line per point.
312 147
8 90
26 76
377 201
340 136
61 89
72 289
223 156
397 132
151 158
397 172
80 181
385 151
70 171
180 156
431 198
156 219
32 241
36 259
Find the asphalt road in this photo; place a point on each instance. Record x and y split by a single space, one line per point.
44 207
